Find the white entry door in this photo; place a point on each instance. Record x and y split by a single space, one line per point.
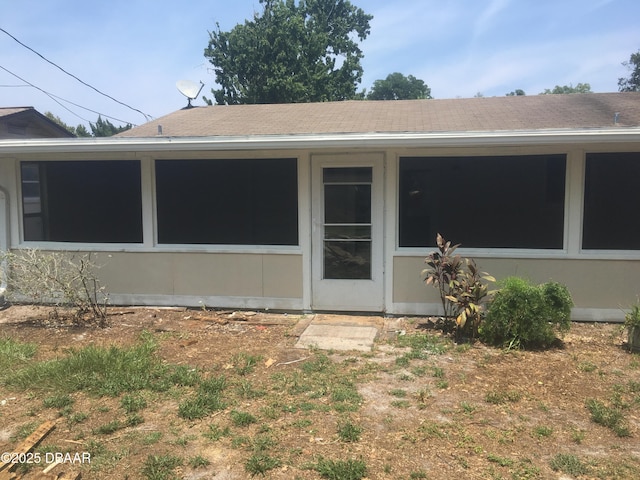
347 251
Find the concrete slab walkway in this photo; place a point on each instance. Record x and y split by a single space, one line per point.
341 332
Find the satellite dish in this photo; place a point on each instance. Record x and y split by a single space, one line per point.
189 89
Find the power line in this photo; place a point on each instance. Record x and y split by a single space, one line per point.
146 116
55 97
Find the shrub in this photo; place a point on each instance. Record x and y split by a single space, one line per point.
526 315
62 279
459 283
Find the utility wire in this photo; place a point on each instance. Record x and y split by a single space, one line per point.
147 117
55 97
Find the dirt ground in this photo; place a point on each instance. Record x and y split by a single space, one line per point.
465 411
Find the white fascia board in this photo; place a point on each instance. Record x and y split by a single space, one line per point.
337 140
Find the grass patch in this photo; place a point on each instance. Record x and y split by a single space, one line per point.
160 467
609 417
340 469
97 370
348 432
57 401
207 399
244 364
260 464
198 462
13 353
499 397
242 419
133 403
569 464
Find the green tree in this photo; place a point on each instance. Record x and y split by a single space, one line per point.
579 88
304 51
79 131
104 128
516 93
631 84
398 87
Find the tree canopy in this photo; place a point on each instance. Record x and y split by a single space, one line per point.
631 84
293 52
398 87
579 88
102 128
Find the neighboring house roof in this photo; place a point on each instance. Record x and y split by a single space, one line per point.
517 113
27 122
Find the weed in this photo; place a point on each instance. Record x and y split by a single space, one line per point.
543 431
340 469
500 397
109 428
151 438
608 417
96 370
502 461
24 431
417 475
587 366
419 371
320 364
13 353
133 403
569 464
398 392
244 364
215 433
78 417
246 390
134 419
198 462
302 423
400 404
242 419
467 408
57 401
200 406
263 442
259 464
438 372
160 467
577 436
348 432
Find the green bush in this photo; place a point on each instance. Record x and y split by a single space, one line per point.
525 315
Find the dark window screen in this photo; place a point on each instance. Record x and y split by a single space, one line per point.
82 201
483 202
227 202
611 202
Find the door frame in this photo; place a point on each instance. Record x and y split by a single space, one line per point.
346 294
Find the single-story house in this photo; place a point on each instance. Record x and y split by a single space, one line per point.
333 206
27 122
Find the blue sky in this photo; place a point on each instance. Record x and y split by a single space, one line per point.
136 50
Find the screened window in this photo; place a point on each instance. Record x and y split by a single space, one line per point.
227 202
483 202
611 202
83 201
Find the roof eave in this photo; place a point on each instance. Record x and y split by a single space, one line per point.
330 140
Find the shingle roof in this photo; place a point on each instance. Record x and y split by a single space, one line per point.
537 112
7 111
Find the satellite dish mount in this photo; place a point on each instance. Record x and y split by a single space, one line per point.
189 89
